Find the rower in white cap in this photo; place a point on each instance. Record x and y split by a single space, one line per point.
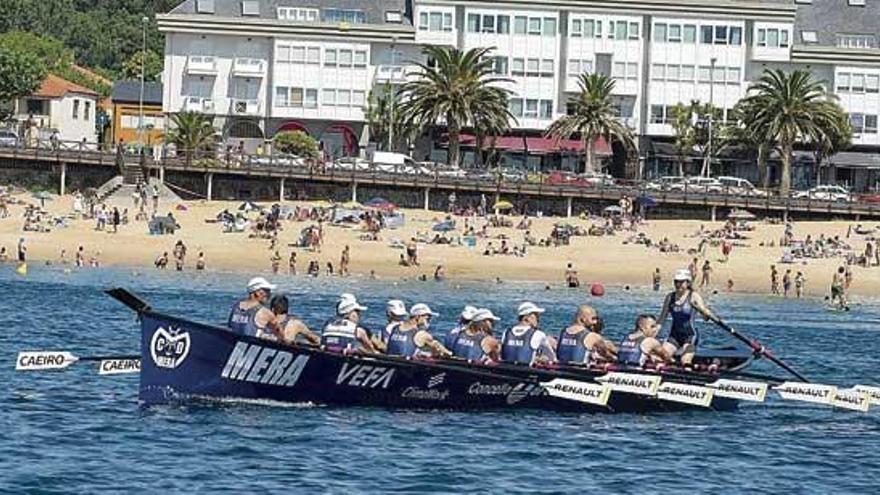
396 313
250 316
477 341
467 314
683 304
525 342
412 339
344 333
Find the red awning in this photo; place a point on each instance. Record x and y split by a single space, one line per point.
538 145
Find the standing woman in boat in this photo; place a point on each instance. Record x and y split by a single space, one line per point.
682 305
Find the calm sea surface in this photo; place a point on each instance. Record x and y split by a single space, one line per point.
77 432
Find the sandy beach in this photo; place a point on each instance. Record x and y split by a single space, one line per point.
604 259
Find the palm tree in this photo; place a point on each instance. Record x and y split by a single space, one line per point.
454 89
384 118
491 119
191 132
593 117
788 109
746 131
831 138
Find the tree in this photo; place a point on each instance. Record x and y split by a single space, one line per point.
683 126
453 89
744 130
191 132
791 108
384 116
492 119
297 143
20 75
831 138
593 117
152 69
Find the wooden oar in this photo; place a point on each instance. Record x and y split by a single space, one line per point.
759 349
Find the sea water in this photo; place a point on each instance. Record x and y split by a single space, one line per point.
73 431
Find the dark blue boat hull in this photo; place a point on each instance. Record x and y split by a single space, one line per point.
183 360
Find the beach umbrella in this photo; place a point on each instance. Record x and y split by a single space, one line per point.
352 204
738 214
443 227
503 205
646 201
181 207
248 206
613 209
43 196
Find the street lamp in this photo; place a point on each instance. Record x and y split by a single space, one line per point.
708 160
140 133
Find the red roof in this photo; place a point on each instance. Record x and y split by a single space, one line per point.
56 87
538 144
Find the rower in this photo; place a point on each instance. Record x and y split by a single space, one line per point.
464 319
250 316
411 337
683 304
525 343
582 342
641 346
344 333
477 341
396 313
290 327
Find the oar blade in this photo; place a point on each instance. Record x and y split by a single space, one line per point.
854 400
807 392
119 366
631 382
695 395
43 360
129 299
739 389
589 393
873 393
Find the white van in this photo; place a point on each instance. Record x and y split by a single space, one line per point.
386 161
742 187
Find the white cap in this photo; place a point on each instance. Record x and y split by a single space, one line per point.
528 308
682 275
421 309
258 283
395 307
468 313
345 296
346 306
483 314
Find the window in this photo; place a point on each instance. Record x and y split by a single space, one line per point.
531 109
809 37
856 3
720 35
762 37
733 75
658 114
660 33
519 25
516 107
634 30
735 36
532 67
843 82
500 65
283 54
473 23
705 73
313 55
546 68
718 74
549 26
658 72
578 67
632 71
75 109
296 97
358 98
687 73
674 35
872 83
706 34
311 100
250 7
282 96
343 97
619 30
871 124
205 6
857 82
393 16
690 33
360 58
772 38
577 28
857 121
518 67
330 57
673 72
783 38
86 110
345 58
503 24
546 109
592 29
345 15
488 25
534 25
856 41
298 54
328 97
618 70
298 14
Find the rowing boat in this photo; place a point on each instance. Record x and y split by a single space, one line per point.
183 360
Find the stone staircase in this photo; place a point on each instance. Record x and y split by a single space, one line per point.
118 192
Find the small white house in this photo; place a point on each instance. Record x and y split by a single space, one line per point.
58 105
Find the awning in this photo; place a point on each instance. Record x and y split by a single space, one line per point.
855 159
538 145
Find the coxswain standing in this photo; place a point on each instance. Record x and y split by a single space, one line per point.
290 327
525 343
477 342
683 304
582 342
412 339
250 316
641 346
467 314
344 333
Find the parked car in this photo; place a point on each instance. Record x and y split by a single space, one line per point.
873 198
742 187
702 185
664 183
565 178
8 139
824 193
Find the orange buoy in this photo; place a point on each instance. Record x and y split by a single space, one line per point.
597 290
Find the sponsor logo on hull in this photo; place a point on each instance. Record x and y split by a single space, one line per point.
169 348
257 364
364 376
513 393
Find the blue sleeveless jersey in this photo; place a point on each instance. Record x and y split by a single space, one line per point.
469 347
402 343
516 346
242 322
571 349
682 330
630 352
452 335
340 333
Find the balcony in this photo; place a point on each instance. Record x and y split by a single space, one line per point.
198 104
205 65
248 67
245 107
390 74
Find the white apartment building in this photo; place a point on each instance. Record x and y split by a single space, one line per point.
261 66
